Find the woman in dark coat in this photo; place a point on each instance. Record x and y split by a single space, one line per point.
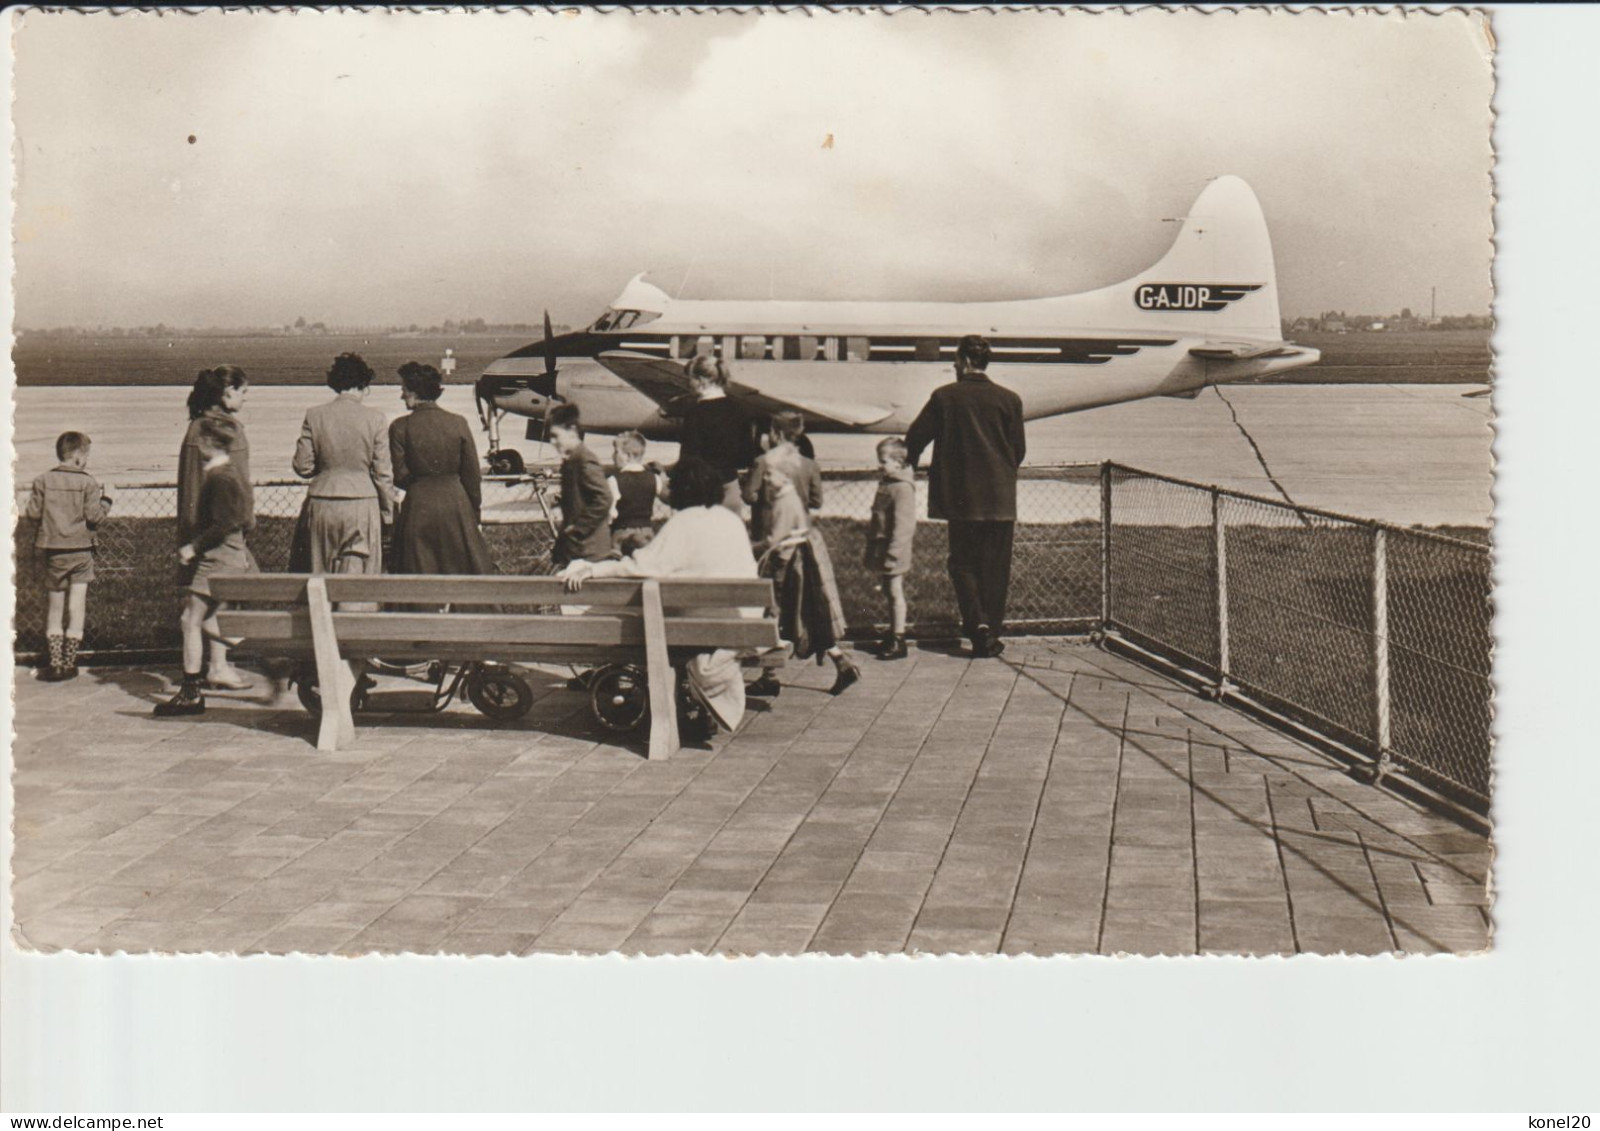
717 429
436 464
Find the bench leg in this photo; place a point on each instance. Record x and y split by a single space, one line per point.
661 678
334 676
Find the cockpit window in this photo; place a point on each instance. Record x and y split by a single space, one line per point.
623 319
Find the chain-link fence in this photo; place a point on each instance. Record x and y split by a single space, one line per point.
1375 636
1055 572
133 605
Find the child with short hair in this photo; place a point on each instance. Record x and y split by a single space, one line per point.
784 432
585 533
634 487
889 538
794 555
68 504
217 546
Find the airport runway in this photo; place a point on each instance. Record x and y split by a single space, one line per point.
1403 453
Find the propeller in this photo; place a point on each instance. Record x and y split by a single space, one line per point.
545 383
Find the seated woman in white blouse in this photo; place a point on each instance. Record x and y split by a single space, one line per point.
703 538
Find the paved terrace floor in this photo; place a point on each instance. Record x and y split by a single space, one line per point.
1060 801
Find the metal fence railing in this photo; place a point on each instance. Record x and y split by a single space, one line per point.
1375 636
133 607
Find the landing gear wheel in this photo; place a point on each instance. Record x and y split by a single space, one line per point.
619 698
506 461
499 693
310 695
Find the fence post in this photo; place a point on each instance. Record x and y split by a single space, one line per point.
1220 561
1380 648
1105 546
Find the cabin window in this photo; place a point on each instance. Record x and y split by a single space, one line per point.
624 319
810 348
603 322
857 349
830 349
928 349
704 346
752 347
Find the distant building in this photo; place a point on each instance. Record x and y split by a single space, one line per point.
1333 326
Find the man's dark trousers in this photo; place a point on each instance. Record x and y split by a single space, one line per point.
980 572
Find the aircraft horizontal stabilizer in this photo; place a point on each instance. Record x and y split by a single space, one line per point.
663 381
1242 351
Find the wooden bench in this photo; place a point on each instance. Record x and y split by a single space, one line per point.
336 618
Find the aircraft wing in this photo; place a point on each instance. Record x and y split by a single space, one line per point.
659 378
1241 351
663 381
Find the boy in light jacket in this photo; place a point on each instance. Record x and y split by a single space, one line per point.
68 504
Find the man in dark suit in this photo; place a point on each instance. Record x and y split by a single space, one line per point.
975 427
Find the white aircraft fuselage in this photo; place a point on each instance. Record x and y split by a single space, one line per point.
1206 314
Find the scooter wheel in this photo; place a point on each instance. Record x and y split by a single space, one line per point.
619 698
499 693
506 461
310 695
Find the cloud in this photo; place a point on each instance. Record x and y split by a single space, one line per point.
389 167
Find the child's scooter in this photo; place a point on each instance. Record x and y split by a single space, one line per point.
495 690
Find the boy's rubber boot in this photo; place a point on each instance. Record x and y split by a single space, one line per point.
848 675
54 671
70 657
189 700
894 648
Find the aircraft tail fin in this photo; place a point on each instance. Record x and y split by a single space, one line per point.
1218 277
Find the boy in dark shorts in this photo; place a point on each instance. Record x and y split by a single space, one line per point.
217 547
635 485
68 504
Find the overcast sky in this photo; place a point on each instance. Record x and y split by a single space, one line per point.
387 168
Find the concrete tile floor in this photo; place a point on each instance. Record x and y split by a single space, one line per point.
1060 801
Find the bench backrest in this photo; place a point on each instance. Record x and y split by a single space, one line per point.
493 617
473 590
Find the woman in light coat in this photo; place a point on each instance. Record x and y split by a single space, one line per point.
344 451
